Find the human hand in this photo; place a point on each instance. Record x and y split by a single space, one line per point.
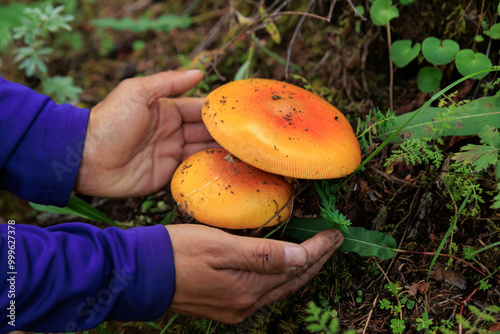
136 137
226 278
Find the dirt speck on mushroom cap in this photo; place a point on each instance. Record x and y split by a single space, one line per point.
282 129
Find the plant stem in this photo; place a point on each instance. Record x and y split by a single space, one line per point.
462 307
391 69
448 256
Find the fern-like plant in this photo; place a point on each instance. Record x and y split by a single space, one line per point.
323 320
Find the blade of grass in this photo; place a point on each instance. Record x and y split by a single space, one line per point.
441 246
78 208
169 323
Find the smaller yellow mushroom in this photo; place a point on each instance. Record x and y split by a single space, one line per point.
220 190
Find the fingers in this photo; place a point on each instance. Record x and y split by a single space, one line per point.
320 248
265 256
323 243
195 133
189 108
164 84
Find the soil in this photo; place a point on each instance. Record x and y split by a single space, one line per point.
347 62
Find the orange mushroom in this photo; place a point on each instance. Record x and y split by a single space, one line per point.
220 190
282 129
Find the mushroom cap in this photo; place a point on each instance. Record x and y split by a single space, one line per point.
220 190
282 129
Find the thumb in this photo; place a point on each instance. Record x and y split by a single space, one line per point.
168 83
267 256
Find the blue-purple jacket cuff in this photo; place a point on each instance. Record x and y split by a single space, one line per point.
42 144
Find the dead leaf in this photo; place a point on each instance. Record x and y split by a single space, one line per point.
495 328
413 289
423 288
440 273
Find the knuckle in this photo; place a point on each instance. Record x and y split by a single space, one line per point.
265 255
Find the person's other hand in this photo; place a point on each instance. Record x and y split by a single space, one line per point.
226 278
136 137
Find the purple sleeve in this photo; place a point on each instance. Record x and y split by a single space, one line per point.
74 276
41 144
70 276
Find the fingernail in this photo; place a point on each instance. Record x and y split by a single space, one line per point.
295 256
191 71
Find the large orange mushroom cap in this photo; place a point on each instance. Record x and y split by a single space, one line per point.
282 129
220 190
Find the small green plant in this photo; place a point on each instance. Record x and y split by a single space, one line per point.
484 155
469 165
483 318
418 151
385 304
326 193
398 325
424 322
322 320
359 298
370 129
435 51
34 30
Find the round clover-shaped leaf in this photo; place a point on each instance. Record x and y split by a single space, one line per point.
469 62
428 79
439 53
402 53
382 11
494 31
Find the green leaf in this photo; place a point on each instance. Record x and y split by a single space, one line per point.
439 53
406 2
469 62
382 11
11 17
494 31
242 72
270 26
163 23
429 79
490 136
62 88
480 156
357 239
468 119
402 53
78 208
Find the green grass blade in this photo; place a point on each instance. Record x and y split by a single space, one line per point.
78 208
468 119
357 239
